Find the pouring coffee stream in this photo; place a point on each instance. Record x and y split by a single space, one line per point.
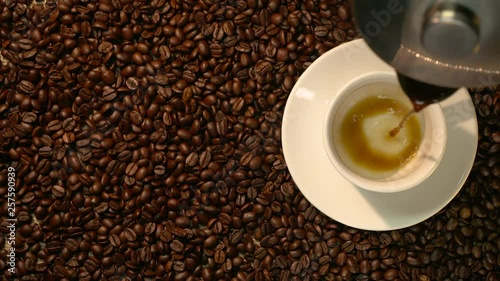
394 132
421 96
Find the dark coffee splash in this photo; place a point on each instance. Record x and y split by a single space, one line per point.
423 94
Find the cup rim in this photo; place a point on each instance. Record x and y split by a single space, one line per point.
434 112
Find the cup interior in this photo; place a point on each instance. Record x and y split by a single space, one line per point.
417 169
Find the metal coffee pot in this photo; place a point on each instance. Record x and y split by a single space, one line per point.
437 44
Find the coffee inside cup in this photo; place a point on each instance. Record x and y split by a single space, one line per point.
362 126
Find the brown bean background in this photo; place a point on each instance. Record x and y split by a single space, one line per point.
146 138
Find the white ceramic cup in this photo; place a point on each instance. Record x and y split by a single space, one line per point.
416 170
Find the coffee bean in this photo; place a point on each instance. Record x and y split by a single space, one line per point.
207 273
11 56
347 246
45 151
260 253
221 123
352 265
28 117
105 47
263 67
177 246
210 242
178 266
165 52
296 268
306 262
219 256
130 235
287 189
320 31
252 193
462 272
479 211
132 83
391 274
248 217
343 12
216 50
160 79
135 118
26 44
159 170
131 169
192 159
26 87
339 35
205 158
235 237
114 240
245 159
272 29
184 134
58 191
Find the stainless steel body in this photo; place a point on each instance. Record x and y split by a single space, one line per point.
444 43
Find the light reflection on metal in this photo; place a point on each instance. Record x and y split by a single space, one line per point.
447 65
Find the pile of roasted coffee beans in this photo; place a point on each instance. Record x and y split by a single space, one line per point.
146 142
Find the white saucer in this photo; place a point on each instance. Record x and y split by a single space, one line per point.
333 195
